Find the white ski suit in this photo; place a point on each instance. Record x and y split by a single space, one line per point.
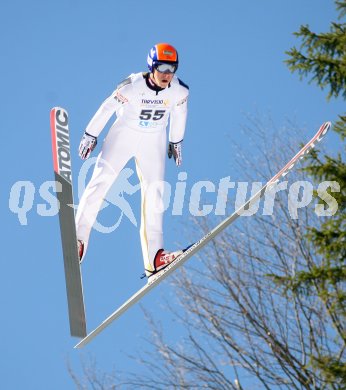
142 113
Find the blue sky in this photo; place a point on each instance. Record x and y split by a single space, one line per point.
72 53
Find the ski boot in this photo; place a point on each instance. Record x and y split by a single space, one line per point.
161 261
81 246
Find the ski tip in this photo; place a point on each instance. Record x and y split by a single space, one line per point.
323 130
57 108
327 125
57 111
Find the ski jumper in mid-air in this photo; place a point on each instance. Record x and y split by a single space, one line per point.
143 103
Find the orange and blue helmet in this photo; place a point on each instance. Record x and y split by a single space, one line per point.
163 57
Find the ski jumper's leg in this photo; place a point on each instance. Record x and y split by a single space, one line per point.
150 163
117 149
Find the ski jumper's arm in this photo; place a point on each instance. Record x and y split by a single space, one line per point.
178 115
110 106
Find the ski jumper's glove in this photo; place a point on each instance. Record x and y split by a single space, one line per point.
87 145
175 150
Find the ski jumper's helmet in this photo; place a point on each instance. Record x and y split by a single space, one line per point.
163 54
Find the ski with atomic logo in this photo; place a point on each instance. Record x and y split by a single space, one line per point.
63 181
190 251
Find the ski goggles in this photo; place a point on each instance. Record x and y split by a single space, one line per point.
166 68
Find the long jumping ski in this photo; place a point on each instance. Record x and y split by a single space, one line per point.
64 190
160 276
